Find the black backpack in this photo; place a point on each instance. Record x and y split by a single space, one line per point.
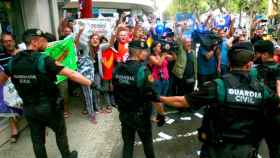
206 38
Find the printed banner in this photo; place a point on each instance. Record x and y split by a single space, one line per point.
188 21
65 52
222 22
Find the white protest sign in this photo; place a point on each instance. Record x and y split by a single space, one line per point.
103 26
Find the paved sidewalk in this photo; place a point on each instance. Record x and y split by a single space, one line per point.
91 141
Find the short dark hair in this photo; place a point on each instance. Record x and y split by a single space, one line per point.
50 37
7 34
240 54
133 51
264 46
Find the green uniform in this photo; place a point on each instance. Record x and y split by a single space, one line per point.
269 73
234 115
34 76
132 92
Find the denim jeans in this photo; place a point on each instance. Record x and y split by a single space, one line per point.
161 86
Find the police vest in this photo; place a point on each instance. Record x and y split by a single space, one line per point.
267 74
128 81
238 113
29 76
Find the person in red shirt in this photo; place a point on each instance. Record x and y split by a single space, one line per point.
276 56
119 43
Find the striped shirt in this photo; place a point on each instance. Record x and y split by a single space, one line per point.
4 58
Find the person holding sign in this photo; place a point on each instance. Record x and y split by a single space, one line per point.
34 74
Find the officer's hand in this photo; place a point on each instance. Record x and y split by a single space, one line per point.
160 119
93 85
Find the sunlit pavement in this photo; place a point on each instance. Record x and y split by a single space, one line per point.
91 141
176 139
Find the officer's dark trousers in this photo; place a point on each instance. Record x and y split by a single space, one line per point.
228 150
272 138
145 134
38 125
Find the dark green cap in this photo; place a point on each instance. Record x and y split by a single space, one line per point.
32 32
138 44
241 53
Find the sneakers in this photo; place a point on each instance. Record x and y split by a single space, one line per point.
73 154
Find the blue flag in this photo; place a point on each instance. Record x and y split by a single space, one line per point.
222 22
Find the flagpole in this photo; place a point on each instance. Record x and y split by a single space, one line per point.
196 67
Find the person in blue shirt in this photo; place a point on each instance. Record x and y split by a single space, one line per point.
208 64
224 47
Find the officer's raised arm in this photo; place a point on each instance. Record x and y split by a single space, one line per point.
75 76
176 101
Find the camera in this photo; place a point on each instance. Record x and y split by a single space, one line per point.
169 47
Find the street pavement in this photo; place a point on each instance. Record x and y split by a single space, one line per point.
178 139
181 140
91 141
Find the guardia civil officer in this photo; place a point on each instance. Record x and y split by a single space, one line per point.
235 113
34 76
269 73
133 91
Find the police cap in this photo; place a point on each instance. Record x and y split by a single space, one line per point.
263 46
241 53
138 44
32 33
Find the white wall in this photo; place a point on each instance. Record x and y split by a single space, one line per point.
30 13
40 14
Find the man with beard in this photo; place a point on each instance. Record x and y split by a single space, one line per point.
9 45
269 74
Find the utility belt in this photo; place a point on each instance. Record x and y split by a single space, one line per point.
225 138
54 104
137 110
136 119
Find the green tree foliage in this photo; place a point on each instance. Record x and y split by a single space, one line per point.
201 6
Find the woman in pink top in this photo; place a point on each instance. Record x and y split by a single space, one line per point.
158 61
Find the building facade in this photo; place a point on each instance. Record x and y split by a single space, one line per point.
104 6
19 15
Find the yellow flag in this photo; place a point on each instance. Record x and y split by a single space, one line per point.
149 41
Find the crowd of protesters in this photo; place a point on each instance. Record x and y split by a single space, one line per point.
174 62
